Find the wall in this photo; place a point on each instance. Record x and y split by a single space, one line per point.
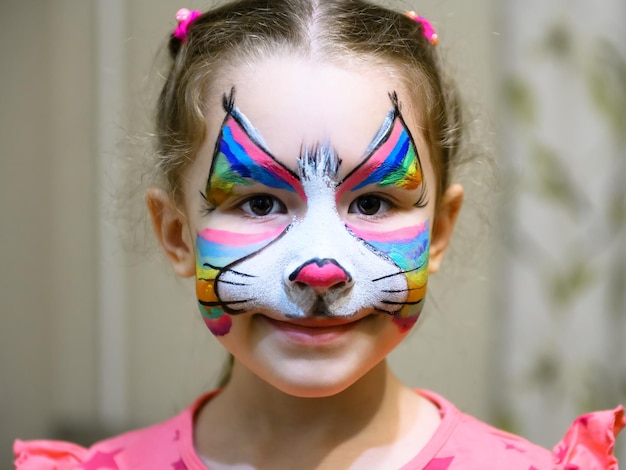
94 338
563 264
47 212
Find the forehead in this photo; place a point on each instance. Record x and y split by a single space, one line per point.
295 102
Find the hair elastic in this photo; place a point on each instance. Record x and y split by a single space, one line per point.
185 17
429 31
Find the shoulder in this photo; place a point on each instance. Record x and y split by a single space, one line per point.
140 449
590 441
474 444
465 442
169 442
479 445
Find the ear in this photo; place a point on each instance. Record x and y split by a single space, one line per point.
172 231
445 220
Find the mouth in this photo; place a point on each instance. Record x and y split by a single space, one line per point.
313 331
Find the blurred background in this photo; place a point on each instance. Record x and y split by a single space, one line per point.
525 326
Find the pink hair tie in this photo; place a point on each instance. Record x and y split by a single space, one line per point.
429 31
184 17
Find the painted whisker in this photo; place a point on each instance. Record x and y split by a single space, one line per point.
211 266
390 302
221 304
221 268
233 283
397 291
398 273
417 268
238 273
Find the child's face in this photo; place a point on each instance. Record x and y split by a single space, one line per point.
310 207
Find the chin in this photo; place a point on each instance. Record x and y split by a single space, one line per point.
306 379
313 389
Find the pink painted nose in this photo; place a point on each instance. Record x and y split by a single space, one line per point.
320 274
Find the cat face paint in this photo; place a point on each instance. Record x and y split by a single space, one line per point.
408 248
393 161
317 265
240 160
216 249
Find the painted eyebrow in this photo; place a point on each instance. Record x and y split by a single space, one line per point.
241 158
391 159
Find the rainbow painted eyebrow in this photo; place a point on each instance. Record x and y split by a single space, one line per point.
241 158
391 159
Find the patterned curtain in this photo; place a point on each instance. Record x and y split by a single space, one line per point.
562 302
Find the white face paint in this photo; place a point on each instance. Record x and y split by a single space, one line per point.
271 286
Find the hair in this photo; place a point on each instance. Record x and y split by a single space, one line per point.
243 31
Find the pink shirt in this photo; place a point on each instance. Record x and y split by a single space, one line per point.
461 442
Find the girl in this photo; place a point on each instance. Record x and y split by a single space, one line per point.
306 149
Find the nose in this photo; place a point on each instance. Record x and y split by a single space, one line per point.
321 274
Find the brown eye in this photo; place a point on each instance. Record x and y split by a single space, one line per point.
369 204
262 205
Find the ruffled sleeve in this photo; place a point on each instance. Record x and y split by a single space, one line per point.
589 442
47 455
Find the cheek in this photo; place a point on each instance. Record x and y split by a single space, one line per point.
215 250
408 248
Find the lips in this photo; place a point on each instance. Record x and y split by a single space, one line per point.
312 331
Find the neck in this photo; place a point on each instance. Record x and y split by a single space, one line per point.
256 415
355 406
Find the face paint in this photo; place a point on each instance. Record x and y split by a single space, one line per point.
392 159
215 250
384 271
408 248
242 159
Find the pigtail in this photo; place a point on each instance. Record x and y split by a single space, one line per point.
173 46
185 18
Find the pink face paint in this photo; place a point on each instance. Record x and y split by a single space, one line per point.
320 273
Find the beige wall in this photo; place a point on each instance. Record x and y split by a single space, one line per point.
57 365
47 235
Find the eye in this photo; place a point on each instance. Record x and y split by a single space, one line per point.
262 205
369 204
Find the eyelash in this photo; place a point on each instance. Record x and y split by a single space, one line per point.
282 208
207 207
422 200
354 209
